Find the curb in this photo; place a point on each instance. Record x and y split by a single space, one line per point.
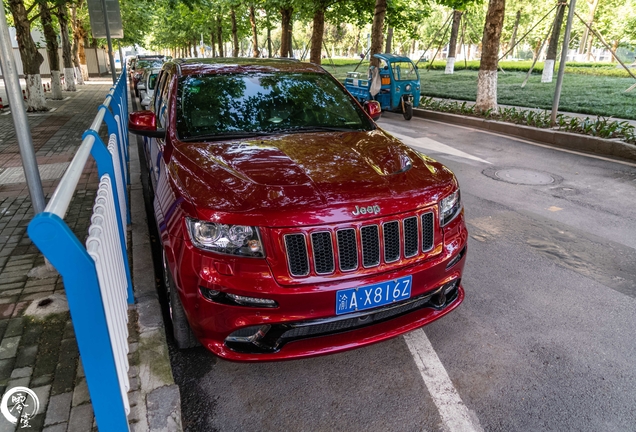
160 409
566 140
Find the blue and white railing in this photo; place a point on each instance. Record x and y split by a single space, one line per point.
97 276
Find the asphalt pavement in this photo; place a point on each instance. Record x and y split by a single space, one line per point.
543 341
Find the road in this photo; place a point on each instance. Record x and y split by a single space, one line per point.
543 341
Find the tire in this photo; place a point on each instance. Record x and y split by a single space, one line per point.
181 330
408 110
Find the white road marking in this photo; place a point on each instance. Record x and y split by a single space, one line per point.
426 143
454 413
514 138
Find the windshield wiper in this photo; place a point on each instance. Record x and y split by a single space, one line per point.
317 129
224 136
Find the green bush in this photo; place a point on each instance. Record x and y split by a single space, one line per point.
602 127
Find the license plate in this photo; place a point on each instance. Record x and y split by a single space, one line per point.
370 296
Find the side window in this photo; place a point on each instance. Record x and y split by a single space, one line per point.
159 91
163 101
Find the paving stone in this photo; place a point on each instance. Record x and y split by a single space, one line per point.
26 355
66 367
14 328
59 408
9 347
42 380
61 427
6 310
80 393
10 286
6 367
22 372
18 382
81 418
42 392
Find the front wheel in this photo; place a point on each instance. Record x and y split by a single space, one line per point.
181 330
408 110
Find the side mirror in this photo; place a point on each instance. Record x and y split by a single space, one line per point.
145 123
373 108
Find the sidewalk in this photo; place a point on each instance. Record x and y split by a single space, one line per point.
38 349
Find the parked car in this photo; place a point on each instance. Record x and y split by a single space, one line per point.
291 225
146 86
140 66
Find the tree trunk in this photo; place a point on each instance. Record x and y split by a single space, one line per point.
219 34
213 44
377 31
69 75
51 51
487 77
196 49
592 6
291 38
452 45
513 39
255 51
31 58
553 44
286 15
615 44
235 43
356 43
315 53
389 41
79 55
588 52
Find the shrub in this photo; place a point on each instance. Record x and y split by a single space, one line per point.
603 127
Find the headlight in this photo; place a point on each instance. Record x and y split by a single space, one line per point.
408 87
226 239
449 208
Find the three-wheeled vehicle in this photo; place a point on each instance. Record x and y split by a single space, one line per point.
400 85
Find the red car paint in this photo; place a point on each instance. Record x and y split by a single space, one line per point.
279 184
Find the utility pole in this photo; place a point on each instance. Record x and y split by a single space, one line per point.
20 122
564 57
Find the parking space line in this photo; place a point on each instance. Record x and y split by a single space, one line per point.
428 144
454 413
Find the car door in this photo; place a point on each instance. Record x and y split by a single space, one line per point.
155 150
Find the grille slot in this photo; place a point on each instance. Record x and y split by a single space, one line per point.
427 232
347 249
370 246
323 252
391 231
410 237
297 254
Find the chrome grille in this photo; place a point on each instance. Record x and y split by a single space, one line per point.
323 252
297 254
357 247
347 249
391 232
370 246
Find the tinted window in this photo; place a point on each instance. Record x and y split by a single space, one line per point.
264 102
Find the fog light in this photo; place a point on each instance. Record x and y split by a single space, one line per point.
450 286
251 301
210 294
249 334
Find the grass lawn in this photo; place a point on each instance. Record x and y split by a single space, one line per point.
587 94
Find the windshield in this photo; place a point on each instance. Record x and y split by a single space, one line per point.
227 104
404 71
149 63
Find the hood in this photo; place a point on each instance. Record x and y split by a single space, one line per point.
326 174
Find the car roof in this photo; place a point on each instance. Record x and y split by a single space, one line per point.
243 65
391 57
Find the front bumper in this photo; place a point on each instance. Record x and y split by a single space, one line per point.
305 324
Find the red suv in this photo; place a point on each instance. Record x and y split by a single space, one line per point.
291 224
